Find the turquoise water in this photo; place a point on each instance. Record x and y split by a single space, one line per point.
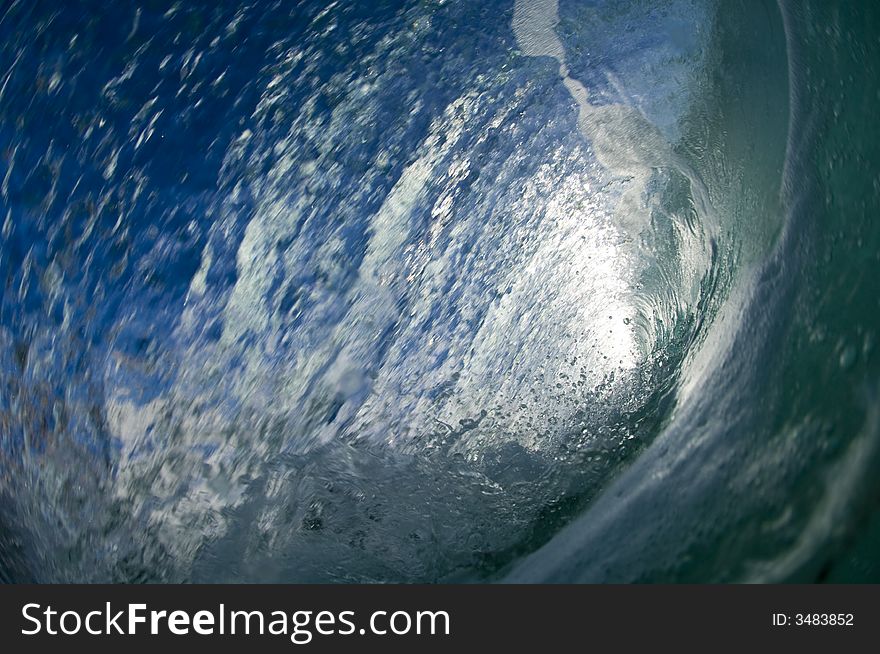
439 291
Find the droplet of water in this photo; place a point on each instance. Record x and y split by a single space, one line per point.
847 357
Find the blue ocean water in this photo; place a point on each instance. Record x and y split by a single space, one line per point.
438 291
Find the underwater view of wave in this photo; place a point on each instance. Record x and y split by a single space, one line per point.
439 291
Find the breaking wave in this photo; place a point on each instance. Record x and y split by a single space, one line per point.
436 291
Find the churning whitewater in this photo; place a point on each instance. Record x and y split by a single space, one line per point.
340 292
484 311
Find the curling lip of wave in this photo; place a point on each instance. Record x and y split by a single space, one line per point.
462 325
